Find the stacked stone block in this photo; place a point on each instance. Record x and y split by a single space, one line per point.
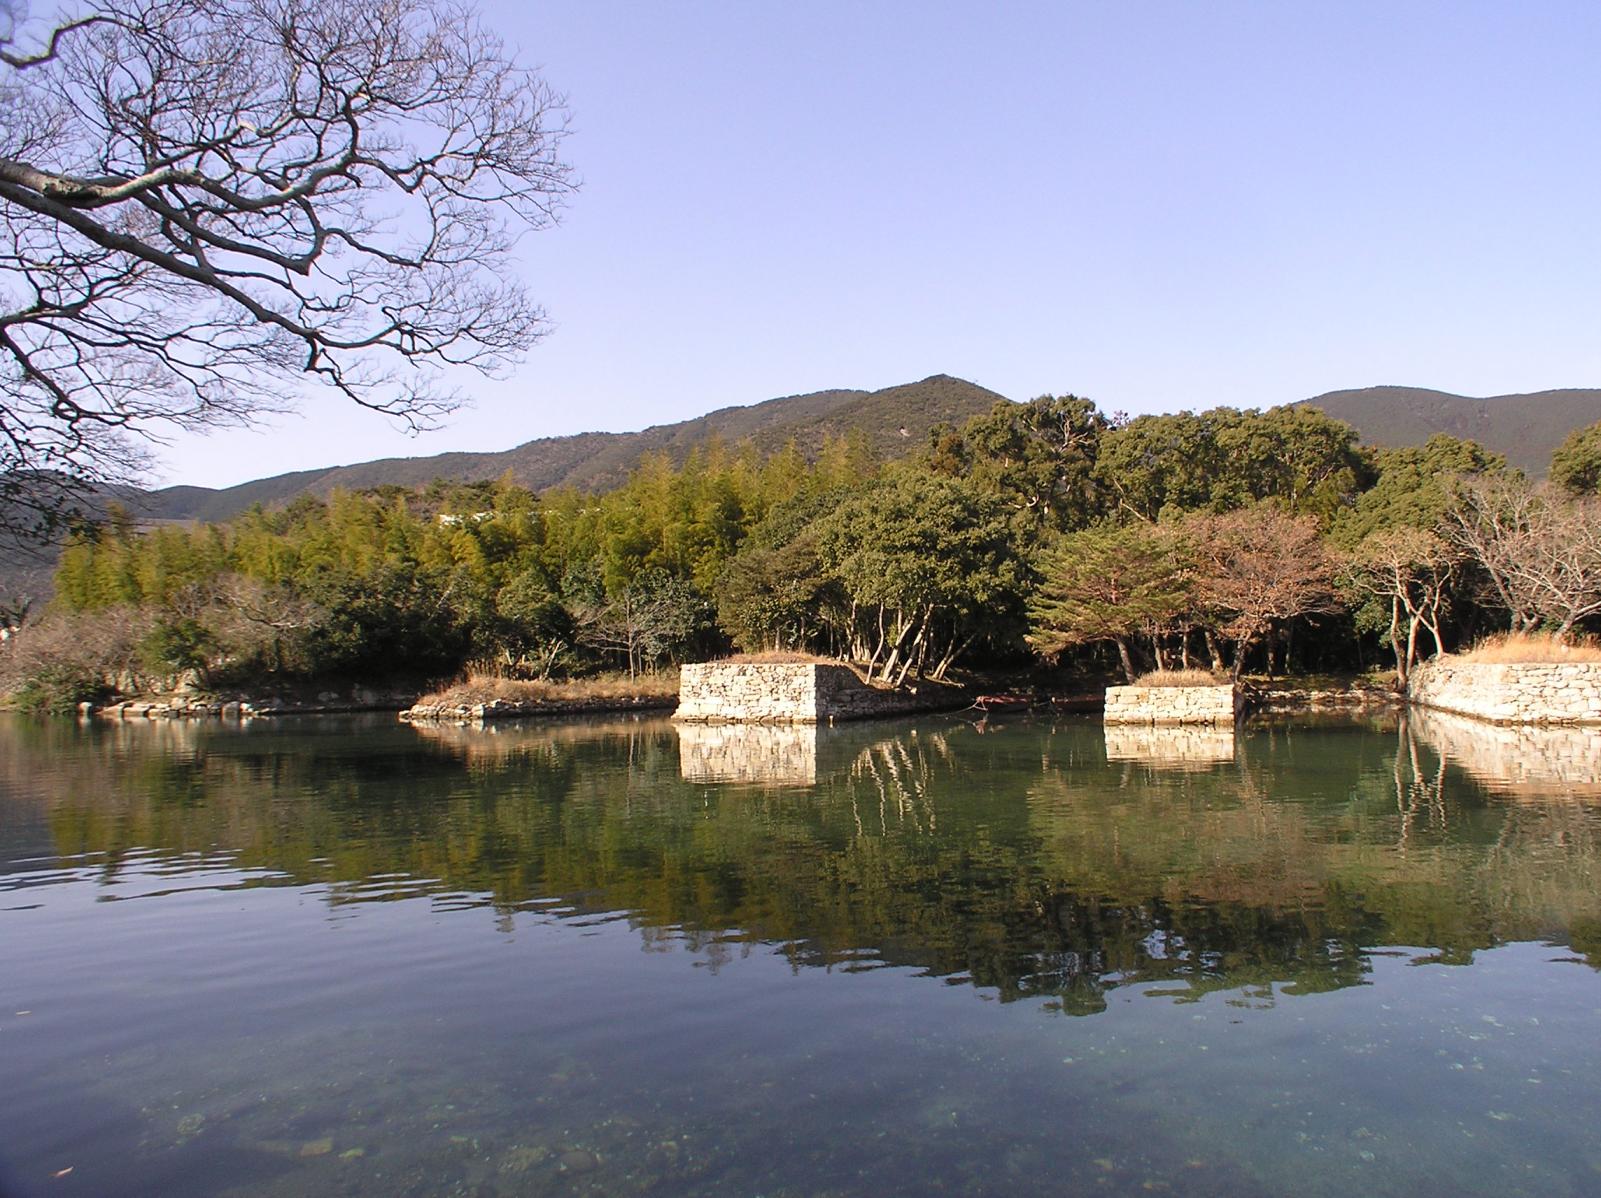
1173 705
718 692
1510 692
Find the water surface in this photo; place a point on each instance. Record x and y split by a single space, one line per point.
356 958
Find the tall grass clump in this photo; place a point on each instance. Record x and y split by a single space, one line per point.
1181 678
486 687
1530 648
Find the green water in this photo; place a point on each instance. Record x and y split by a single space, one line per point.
356 958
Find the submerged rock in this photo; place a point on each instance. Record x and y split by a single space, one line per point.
579 1160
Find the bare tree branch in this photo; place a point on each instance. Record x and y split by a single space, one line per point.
206 204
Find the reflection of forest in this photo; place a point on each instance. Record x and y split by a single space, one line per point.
1020 860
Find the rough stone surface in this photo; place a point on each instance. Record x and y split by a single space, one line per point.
1510 693
217 707
720 692
511 709
1173 704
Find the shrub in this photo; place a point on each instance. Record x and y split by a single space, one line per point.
57 689
487 688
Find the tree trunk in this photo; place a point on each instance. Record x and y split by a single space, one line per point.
1128 663
1402 660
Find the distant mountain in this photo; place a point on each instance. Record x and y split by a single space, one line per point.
1526 428
893 420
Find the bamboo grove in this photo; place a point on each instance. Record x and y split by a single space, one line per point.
1041 532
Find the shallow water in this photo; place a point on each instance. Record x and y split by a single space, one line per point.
356 958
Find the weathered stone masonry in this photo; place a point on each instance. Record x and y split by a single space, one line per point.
800 693
1510 693
1173 704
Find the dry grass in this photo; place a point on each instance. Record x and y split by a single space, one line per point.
487 688
1181 678
1527 648
781 657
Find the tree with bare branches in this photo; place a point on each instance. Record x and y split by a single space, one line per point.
1539 548
1256 570
207 204
1411 572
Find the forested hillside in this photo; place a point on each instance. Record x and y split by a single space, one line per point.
890 421
1524 429
1225 540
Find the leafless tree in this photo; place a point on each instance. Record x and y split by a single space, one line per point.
1257 569
1540 550
1412 571
205 204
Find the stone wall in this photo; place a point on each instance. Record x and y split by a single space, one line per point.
722 692
1510 693
1173 704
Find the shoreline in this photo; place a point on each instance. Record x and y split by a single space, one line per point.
1264 698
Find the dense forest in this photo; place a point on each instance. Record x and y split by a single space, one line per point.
1042 532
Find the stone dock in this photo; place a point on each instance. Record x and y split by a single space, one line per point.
1174 704
719 692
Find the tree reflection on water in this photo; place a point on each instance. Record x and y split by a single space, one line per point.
1023 861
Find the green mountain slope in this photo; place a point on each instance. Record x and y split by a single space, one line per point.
1526 428
893 420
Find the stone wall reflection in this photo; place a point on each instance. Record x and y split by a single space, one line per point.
1013 860
1195 747
1520 761
762 754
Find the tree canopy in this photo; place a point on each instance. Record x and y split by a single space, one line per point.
903 569
211 204
1576 463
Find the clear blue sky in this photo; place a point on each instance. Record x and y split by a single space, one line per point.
1157 205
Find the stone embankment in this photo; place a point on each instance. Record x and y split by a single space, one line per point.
1268 699
172 707
719 692
1510 692
513 709
1174 704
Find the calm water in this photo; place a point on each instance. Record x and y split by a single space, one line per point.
355 958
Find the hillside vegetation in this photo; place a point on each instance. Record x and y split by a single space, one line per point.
1223 540
1524 429
889 421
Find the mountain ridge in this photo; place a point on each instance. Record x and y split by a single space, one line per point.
890 419
1524 426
